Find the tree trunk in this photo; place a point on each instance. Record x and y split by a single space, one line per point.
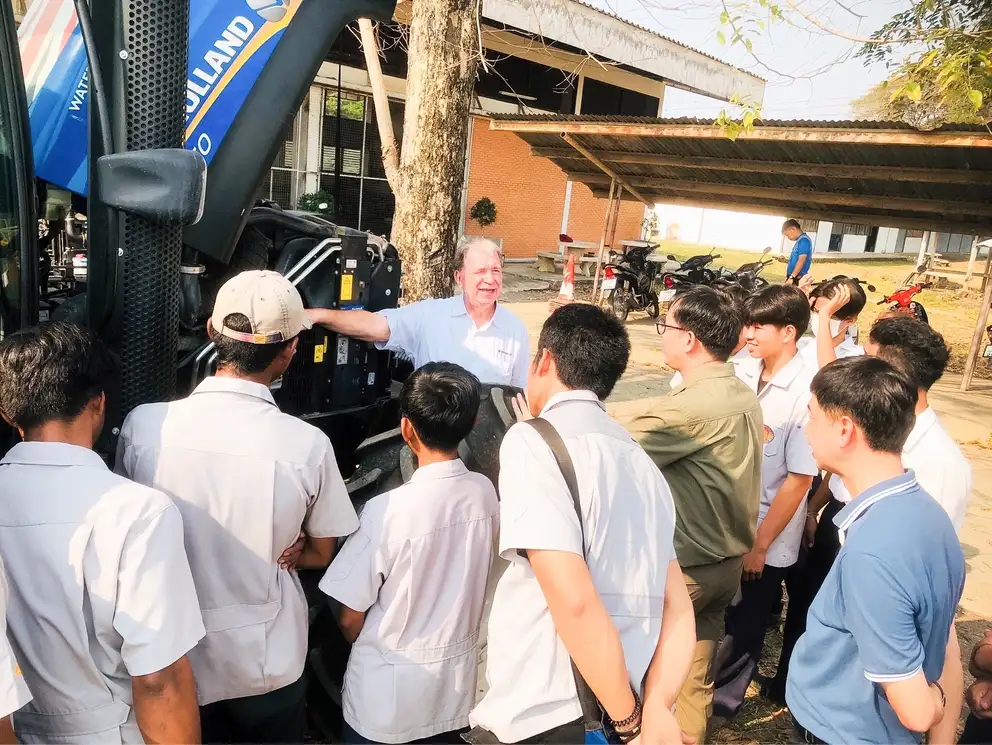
443 55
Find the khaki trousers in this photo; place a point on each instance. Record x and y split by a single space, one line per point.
712 588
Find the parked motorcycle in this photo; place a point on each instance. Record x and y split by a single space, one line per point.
747 275
901 301
629 278
693 271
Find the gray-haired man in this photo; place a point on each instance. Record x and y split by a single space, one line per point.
470 329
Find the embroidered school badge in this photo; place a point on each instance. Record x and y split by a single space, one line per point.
769 434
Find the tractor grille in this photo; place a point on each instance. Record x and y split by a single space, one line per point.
155 117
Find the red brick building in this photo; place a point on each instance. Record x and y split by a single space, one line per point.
543 56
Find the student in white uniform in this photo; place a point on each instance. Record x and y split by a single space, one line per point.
248 479
471 329
412 580
618 613
836 306
920 352
776 317
103 610
14 693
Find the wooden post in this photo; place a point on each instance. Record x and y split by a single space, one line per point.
924 247
988 269
971 260
602 243
974 353
390 155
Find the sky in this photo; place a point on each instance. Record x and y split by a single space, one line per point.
811 74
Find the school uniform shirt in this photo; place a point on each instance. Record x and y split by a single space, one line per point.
784 407
807 350
441 330
417 567
101 591
629 519
247 478
14 692
941 468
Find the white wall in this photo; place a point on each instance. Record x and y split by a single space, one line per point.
737 230
853 244
821 242
888 240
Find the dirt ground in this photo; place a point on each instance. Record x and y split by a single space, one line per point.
968 418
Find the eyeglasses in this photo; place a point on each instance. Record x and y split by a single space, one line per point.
661 327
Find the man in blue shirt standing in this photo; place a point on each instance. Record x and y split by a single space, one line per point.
801 258
879 662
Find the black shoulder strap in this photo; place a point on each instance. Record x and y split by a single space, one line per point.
553 440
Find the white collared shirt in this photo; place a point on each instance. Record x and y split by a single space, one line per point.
941 468
784 407
101 590
14 693
629 519
807 350
418 567
247 479
442 331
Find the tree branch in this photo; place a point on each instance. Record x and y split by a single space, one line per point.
383 119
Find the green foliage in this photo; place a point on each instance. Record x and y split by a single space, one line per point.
319 202
741 120
919 103
947 71
484 212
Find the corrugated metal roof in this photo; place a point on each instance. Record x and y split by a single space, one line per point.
885 173
696 121
651 31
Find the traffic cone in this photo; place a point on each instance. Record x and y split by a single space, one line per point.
567 293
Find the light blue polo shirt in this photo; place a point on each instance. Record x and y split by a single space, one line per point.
883 614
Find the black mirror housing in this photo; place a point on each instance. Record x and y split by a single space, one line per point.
165 186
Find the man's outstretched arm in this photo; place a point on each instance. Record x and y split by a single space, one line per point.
358 324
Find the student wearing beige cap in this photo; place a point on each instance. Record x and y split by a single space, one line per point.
247 479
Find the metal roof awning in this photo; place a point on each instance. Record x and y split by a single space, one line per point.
878 173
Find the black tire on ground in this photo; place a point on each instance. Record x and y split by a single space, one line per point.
919 312
252 251
619 303
654 307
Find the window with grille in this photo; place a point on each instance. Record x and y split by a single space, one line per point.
286 182
351 169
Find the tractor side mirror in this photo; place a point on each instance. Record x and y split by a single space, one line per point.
164 186
871 288
768 250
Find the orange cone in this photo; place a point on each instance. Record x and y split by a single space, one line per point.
567 293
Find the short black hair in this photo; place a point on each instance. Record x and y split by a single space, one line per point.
779 306
441 400
713 316
51 372
791 224
590 347
877 396
831 287
246 358
912 347
737 293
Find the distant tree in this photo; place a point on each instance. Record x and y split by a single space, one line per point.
887 102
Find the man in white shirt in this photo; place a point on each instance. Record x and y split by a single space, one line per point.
920 352
412 580
103 610
472 329
247 479
616 614
14 693
775 317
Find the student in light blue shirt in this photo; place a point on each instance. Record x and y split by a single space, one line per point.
801 258
879 662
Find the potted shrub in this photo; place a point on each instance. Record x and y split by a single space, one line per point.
484 212
317 202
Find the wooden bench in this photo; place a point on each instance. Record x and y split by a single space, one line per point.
552 261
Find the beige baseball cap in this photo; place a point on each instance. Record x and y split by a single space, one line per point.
268 300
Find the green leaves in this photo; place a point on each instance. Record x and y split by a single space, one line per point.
977 98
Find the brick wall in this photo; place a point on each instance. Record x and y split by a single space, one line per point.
529 193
